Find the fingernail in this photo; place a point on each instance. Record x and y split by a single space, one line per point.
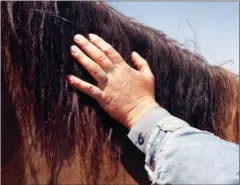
134 53
70 79
78 37
92 36
74 49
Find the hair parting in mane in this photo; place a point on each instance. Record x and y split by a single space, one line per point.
64 135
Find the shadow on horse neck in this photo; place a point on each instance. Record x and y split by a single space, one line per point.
53 134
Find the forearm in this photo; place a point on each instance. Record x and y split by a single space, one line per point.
179 154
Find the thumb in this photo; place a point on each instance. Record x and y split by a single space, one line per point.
141 64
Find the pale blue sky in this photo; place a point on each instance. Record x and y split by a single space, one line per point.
216 25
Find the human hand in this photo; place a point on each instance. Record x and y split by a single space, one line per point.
124 93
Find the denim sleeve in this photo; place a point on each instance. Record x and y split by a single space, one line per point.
179 154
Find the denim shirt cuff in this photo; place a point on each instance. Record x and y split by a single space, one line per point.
163 130
142 129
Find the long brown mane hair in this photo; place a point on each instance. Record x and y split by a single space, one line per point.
52 134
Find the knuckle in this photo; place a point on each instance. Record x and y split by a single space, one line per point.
104 79
107 48
107 99
101 77
100 58
95 69
84 43
93 92
90 89
144 61
80 56
151 77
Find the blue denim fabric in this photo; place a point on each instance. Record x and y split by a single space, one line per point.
179 154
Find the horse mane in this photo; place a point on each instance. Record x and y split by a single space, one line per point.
64 135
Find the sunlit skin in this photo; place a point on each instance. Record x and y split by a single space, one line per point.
124 93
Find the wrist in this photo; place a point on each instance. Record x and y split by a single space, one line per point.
139 111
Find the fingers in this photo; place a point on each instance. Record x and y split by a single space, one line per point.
94 69
141 64
93 52
85 87
109 51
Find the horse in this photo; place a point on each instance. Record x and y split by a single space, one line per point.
53 134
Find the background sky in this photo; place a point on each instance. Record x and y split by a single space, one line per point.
213 26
